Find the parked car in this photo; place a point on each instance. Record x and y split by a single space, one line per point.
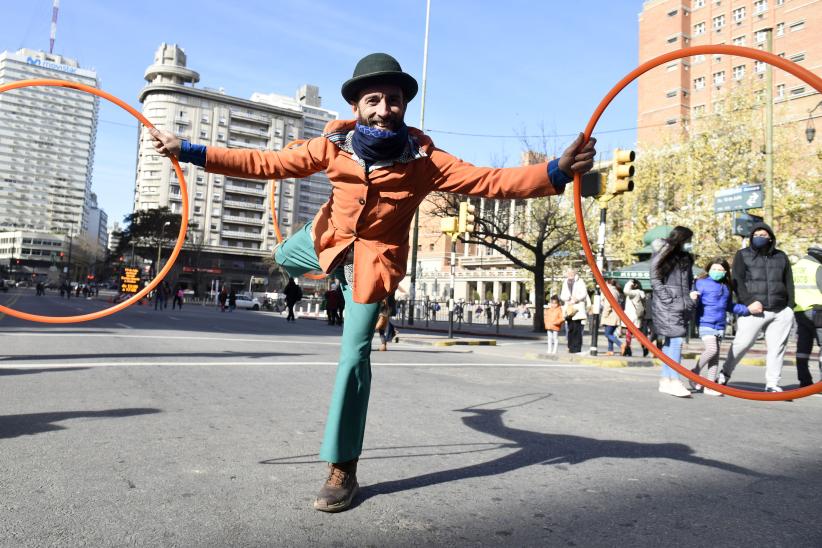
244 301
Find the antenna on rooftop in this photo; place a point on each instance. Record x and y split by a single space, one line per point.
54 9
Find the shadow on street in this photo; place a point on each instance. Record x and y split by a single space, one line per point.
12 426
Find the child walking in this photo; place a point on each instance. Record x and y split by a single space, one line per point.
553 320
715 300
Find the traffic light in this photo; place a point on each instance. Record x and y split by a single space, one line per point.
466 218
448 225
622 175
592 185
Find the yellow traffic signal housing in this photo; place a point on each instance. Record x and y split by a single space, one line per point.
622 176
448 225
466 218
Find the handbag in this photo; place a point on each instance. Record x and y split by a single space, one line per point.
569 310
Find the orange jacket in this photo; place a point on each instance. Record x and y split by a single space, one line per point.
553 318
373 211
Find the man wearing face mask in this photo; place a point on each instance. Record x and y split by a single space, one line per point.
763 282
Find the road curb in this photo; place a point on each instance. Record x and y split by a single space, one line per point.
468 342
607 363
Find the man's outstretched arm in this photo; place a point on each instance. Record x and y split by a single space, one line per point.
549 179
293 162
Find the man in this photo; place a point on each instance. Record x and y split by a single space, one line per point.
293 294
380 171
807 277
574 295
764 283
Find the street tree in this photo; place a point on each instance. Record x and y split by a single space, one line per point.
145 231
676 181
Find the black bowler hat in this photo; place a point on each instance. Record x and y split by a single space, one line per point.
378 68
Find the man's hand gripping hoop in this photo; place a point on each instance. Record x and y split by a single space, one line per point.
792 68
180 236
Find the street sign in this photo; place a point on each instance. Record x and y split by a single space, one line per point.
738 199
743 224
130 280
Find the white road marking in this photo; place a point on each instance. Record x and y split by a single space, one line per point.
124 326
65 364
308 339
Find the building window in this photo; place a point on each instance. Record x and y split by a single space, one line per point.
199 195
761 67
672 13
673 39
719 22
780 29
760 35
739 40
699 83
203 134
697 59
797 57
699 28
780 2
739 72
780 91
698 4
760 6
719 78
739 15
798 90
671 93
671 67
699 110
798 25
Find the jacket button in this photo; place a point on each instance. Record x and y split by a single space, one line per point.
362 202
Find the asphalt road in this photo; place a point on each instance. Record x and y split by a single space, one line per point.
201 428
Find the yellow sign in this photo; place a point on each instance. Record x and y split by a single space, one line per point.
130 280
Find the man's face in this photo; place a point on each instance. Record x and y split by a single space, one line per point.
380 106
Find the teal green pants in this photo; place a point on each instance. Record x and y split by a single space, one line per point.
345 427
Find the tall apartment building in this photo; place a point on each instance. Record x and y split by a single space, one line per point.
231 215
673 94
47 140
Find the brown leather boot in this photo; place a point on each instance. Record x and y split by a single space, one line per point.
340 488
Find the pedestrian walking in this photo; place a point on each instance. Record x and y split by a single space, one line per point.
293 294
673 303
331 306
553 318
635 310
385 328
715 301
160 295
232 300
575 303
222 298
610 320
380 171
178 297
807 278
763 281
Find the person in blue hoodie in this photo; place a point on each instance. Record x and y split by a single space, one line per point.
715 301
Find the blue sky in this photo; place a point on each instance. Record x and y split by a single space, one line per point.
494 68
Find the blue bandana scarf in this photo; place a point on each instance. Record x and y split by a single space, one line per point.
375 145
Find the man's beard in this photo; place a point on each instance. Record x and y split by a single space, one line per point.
391 123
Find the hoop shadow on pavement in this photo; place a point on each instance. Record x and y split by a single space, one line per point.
529 449
12 426
32 371
124 355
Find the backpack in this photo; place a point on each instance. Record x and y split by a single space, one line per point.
299 293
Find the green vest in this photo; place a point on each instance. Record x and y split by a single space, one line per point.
806 292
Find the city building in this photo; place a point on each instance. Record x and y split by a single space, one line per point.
47 142
231 223
672 95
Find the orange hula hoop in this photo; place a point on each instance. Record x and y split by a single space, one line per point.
180 236
792 68
271 192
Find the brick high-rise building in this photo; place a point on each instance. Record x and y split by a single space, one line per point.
671 95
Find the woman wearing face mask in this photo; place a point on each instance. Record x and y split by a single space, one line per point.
673 302
715 300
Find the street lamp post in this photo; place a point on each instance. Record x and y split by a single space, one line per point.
810 130
160 246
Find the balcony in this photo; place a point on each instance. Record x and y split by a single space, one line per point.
242 235
253 131
493 260
234 143
254 221
243 205
242 115
234 187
